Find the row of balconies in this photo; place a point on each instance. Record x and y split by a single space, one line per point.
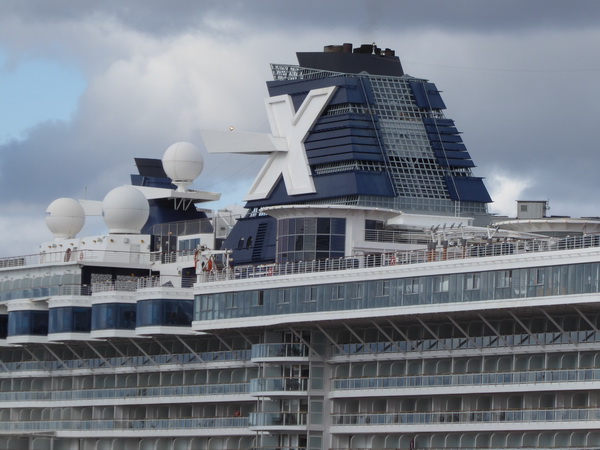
463 343
290 352
257 386
468 379
473 416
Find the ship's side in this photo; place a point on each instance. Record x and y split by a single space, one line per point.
359 303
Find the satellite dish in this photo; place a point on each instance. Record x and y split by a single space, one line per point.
183 163
65 218
125 210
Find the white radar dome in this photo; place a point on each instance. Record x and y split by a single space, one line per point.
183 163
65 218
125 210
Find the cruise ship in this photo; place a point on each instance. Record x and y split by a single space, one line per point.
363 297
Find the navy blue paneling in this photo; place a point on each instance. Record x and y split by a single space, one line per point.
347 137
340 131
449 146
164 312
347 153
441 130
3 326
427 95
439 122
351 120
450 162
249 230
70 319
29 323
467 189
114 316
444 137
350 90
331 186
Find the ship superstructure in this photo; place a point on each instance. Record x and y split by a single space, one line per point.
357 302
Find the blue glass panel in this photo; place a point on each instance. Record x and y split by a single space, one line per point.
32 323
157 312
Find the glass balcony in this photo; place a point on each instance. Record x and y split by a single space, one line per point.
127 392
137 424
468 379
283 384
474 416
277 419
296 350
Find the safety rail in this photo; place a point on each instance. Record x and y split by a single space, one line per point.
466 416
124 424
278 418
279 384
439 253
127 392
468 379
474 342
130 361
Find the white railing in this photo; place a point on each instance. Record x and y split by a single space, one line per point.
440 253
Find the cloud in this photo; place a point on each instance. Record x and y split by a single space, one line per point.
520 86
505 191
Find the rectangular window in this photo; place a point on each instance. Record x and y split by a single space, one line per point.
310 294
356 290
504 278
382 288
441 283
257 298
283 296
412 286
472 281
536 277
337 292
206 303
230 300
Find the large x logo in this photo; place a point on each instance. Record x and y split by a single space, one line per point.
285 144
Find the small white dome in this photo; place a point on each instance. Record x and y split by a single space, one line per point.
65 218
183 163
125 210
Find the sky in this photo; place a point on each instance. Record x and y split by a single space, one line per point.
86 86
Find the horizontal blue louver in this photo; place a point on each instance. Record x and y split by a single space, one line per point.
427 95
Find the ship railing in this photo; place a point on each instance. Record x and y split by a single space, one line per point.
44 291
128 392
279 384
279 418
466 416
129 361
468 379
397 237
437 253
123 424
473 342
82 256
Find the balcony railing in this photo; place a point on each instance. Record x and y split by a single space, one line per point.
127 392
280 418
131 361
138 424
474 416
469 379
440 253
475 342
281 384
295 350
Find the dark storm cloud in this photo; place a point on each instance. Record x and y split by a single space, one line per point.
173 17
517 76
